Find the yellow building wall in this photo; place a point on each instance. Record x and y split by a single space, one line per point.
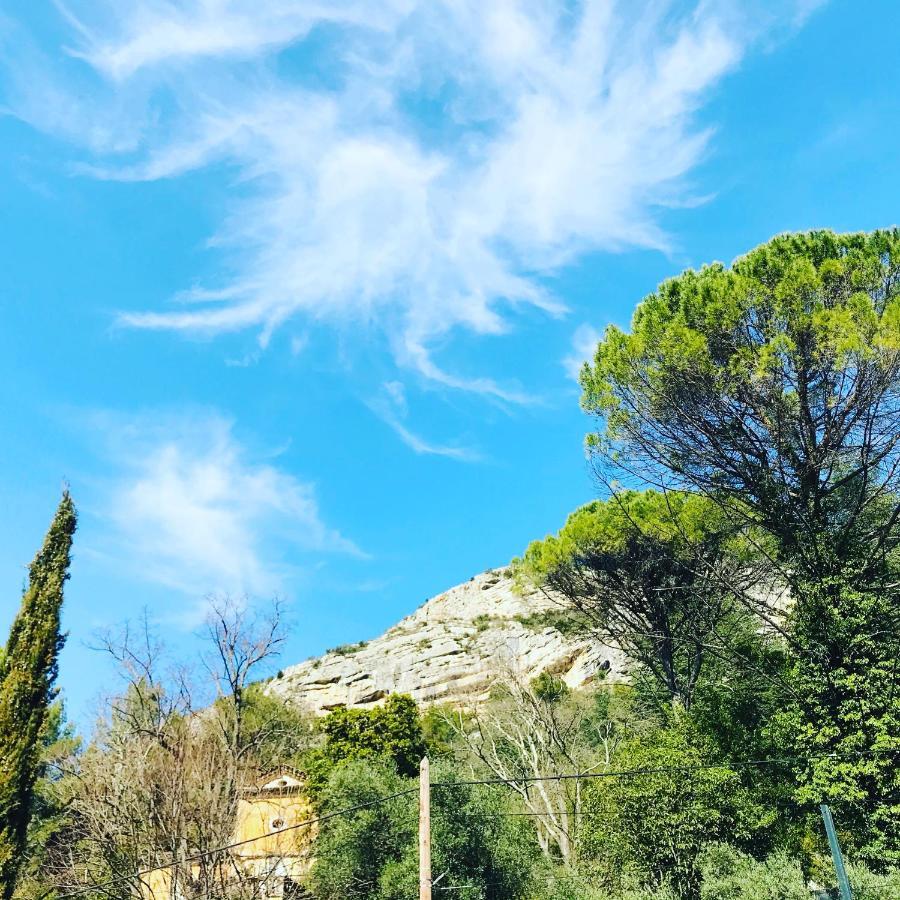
257 822
266 841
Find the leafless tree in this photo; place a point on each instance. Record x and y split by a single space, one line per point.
527 734
158 786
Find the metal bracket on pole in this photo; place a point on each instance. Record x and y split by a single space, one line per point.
843 881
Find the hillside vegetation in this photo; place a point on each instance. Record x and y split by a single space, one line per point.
742 562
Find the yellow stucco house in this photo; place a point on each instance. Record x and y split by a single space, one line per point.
272 852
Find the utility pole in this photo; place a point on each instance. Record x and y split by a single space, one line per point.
843 881
424 831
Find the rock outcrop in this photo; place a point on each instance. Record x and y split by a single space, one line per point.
451 650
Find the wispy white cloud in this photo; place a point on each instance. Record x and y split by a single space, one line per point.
584 343
152 33
429 161
189 507
391 407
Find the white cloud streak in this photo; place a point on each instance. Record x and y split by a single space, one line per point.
410 167
153 33
190 509
391 407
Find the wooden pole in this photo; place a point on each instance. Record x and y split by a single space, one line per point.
424 831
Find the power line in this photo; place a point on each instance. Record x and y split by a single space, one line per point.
661 770
583 813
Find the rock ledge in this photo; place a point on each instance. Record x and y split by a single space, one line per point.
450 650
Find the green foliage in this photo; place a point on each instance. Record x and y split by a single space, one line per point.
440 736
847 703
654 825
738 695
773 388
564 621
354 850
869 885
728 874
549 688
392 731
373 853
637 568
565 884
774 382
675 520
48 817
27 675
558 883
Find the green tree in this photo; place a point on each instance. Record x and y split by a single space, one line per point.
59 746
845 715
27 675
729 874
353 850
647 569
478 852
653 826
775 383
392 731
773 388
549 688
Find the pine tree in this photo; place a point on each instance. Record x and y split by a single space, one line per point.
27 673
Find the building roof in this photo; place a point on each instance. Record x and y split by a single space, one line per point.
283 780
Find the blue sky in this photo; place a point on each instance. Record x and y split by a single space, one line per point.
292 293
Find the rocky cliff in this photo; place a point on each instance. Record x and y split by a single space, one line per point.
451 650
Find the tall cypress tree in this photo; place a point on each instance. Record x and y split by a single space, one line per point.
27 674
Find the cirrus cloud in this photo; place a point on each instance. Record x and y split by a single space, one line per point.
410 169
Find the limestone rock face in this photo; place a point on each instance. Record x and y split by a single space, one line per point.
451 650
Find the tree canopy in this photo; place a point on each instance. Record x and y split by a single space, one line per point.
775 382
654 572
479 852
391 732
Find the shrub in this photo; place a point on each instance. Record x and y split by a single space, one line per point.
549 688
729 874
566 623
868 885
348 649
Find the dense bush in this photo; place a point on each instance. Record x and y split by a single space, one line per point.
728 874
653 826
391 732
868 885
